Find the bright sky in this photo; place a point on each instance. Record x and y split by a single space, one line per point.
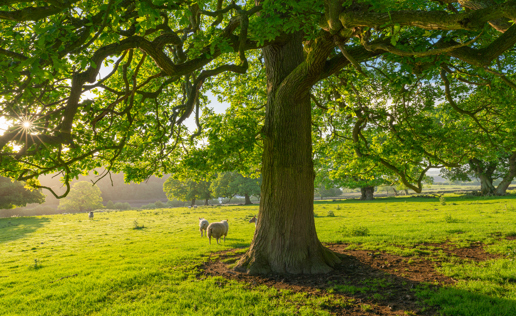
3 126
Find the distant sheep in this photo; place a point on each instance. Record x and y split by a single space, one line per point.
195 206
218 230
254 220
90 216
203 225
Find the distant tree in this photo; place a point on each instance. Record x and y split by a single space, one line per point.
110 205
187 190
324 191
83 197
502 166
229 184
15 193
220 185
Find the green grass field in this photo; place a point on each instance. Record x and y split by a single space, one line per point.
146 262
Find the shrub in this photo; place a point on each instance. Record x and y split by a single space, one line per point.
449 219
159 204
122 206
175 203
148 206
442 199
359 231
355 231
110 205
331 214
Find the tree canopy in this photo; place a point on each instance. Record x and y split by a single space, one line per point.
187 190
83 197
14 194
407 82
229 184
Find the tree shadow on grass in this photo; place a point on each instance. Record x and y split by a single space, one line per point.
18 227
369 283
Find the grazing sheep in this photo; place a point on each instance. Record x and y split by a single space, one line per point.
203 225
195 206
90 216
218 230
254 220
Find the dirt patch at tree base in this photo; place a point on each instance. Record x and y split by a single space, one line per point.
365 282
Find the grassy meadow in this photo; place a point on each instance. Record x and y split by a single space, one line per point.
147 262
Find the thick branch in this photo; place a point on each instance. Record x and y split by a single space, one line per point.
430 20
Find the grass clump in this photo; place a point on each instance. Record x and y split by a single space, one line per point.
355 231
331 214
442 200
136 225
450 219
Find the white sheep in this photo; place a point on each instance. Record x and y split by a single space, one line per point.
254 220
203 225
90 216
218 230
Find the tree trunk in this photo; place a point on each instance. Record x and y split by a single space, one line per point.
193 202
206 202
509 176
406 192
486 185
367 193
395 192
484 172
285 240
247 199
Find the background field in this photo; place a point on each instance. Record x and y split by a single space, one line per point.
147 262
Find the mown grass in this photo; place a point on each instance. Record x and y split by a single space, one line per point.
69 265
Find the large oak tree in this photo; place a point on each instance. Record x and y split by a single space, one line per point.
161 57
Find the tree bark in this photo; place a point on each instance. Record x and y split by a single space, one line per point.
247 199
285 240
486 185
367 193
484 172
509 176
193 202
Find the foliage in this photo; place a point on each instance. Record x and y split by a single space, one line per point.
151 65
14 194
121 206
322 191
407 86
229 184
110 205
186 190
82 197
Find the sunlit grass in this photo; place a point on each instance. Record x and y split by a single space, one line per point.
70 265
